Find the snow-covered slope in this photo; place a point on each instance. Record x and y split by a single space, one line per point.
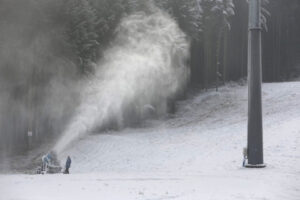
196 154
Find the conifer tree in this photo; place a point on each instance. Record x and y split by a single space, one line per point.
82 33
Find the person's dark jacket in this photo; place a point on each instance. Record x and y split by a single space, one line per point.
68 163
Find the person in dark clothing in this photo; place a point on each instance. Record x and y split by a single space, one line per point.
68 165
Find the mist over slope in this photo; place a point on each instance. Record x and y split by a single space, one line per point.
38 78
145 67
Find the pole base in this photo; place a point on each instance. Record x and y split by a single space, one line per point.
255 166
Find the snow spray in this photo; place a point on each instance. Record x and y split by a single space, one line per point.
145 65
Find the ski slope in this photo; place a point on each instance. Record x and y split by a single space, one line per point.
195 154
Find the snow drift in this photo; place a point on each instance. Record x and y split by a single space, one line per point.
146 65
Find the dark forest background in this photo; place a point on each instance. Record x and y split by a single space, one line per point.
48 47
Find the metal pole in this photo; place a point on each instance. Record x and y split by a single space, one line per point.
255 129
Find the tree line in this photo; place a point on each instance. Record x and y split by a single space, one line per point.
280 43
47 47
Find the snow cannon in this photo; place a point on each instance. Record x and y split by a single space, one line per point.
50 164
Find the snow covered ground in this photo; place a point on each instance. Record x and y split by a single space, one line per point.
196 154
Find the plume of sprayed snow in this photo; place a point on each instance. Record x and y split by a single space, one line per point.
146 65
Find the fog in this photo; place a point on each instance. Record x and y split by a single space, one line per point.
38 89
44 92
143 69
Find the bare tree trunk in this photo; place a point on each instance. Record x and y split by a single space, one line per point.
218 53
225 55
